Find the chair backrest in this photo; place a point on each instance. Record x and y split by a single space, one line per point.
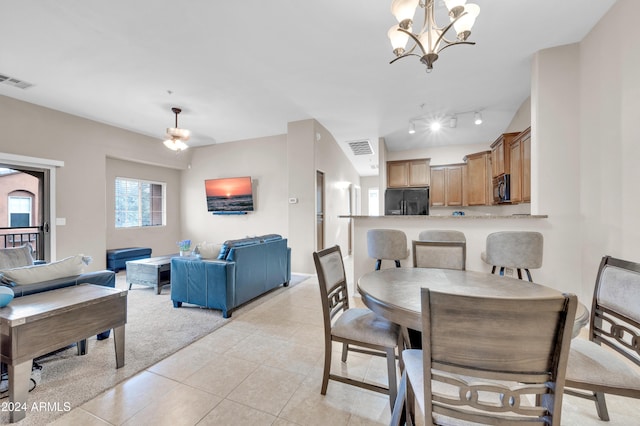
387 244
615 311
439 254
333 284
473 345
441 235
515 249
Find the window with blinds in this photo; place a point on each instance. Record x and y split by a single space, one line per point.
139 203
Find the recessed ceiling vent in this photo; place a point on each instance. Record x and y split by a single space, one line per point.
361 147
10 81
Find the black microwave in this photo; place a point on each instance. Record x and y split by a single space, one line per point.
501 189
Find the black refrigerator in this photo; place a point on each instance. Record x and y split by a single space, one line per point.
413 201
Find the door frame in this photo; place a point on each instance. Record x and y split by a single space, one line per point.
49 168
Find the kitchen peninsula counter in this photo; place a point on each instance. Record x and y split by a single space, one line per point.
438 217
475 226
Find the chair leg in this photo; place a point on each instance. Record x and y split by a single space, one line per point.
393 382
528 275
327 367
378 263
399 405
345 351
397 263
601 406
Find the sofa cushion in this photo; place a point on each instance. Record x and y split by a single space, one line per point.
67 267
208 250
15 257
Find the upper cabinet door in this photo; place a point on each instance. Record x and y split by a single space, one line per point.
500 154
408 173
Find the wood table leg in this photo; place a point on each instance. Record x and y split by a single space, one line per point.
118 343
19 376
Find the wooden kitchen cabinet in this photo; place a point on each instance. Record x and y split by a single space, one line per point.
478 180
500 154
520 167
408 173
447 187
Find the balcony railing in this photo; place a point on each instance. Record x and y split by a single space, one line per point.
16 237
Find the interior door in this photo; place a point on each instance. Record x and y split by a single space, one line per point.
319 210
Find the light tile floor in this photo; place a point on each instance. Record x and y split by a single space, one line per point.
265 368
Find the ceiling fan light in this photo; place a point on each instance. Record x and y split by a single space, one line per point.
170 143
181 146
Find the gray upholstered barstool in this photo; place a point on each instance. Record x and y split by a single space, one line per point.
390 244
514 249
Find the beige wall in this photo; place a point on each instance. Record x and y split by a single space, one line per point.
83 145
161 239
609 105
263 159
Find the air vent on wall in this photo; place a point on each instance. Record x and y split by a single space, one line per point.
10 81
361 147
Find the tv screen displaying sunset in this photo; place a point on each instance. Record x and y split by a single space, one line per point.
229 194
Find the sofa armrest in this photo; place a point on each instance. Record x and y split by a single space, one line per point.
209 283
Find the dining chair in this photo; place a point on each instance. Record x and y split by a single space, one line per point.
439 254
488 360
441 235
609 361
439 248
514 249
358 329
389 244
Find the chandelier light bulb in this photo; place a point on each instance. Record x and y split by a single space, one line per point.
398 39
404 10
465 22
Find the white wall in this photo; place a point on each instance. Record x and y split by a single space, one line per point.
265 161
609 100
84 146
161 239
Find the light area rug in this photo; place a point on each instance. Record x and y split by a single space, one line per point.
154 330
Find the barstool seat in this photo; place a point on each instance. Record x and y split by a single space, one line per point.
514 249
387 244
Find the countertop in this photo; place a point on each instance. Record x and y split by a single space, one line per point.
437 217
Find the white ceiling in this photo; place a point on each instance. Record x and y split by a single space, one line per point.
245 69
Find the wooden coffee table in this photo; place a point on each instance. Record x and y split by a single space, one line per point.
34 325
152 272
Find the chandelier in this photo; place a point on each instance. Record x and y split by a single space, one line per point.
176 137
431 38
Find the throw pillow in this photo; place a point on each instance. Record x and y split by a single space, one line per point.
67 267
15 257
208 250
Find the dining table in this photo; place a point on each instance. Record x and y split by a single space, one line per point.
394 293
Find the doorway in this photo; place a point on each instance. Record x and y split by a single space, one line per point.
24 209
319 210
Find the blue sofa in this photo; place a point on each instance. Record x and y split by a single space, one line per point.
245 269
20 257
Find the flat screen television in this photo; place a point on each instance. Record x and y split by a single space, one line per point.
229 195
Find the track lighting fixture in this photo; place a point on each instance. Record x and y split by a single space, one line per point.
477 118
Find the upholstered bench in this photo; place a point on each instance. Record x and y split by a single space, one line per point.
117 258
